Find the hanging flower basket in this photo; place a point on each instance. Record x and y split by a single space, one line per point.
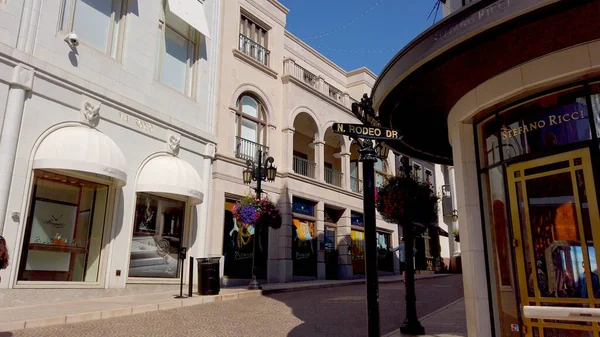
251 211
403 199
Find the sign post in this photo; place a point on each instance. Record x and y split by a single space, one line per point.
364 135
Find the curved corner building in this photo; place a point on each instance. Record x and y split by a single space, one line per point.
508 92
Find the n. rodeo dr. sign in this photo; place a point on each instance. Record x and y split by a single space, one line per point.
362 131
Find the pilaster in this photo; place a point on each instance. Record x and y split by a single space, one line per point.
320 240
319 148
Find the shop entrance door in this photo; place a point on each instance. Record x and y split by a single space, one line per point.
556 228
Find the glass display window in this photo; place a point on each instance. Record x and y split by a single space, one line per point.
157 237
64 230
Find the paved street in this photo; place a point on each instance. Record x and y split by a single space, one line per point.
327 312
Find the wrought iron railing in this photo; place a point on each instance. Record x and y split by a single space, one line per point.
355 185
248 150
254 49
333 177
304 167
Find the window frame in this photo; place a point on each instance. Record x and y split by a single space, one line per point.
114 46
261 122
382 172
193 42
428 175
256 31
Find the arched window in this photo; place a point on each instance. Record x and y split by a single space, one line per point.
250 127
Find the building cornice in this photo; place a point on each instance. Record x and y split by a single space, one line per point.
362 70
279 6
266 12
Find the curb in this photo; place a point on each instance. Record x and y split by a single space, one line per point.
344 284
125 310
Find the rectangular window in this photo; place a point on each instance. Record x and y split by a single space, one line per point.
178 53
157 237
428 176
96 23
385 259
64 232
356 219
417 171
357 239
253 40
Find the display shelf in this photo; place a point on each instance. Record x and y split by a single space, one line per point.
56 248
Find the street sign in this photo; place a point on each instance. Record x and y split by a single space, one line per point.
363 131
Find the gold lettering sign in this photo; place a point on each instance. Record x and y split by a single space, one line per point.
542 123
362 131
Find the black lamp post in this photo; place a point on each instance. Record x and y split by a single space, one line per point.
262 171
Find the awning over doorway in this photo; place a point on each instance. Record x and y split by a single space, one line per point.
169 174
82 148
192 12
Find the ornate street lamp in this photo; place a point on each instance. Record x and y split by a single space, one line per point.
382 151
262 171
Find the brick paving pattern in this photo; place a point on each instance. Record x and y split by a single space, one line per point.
328 312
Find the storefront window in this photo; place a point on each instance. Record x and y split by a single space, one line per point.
595 99
489 148
238 244
553 120
356 219
497 224
358 251
304 247
385 258
157 237
64 233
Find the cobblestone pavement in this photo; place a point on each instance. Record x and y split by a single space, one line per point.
325 312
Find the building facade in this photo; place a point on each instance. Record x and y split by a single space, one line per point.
107 139
280 96
519 120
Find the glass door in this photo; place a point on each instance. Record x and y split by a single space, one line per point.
556 226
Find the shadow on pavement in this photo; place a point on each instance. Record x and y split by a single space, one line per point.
341 311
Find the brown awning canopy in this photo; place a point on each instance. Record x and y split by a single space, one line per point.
420 85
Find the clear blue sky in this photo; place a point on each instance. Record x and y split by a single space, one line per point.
370 41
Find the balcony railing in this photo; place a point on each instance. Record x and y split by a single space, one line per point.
248 150
254 50
333 177
304 167
303 75
355 185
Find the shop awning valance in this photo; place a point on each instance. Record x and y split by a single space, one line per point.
169 174
192 12
82 148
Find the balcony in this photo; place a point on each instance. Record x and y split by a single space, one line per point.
254 50
333 177
247 150
356 185
304 167
317 83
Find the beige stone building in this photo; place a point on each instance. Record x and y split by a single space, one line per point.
280 96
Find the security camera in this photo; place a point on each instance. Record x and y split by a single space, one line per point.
72 39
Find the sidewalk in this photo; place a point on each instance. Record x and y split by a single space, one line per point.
40 315
448 321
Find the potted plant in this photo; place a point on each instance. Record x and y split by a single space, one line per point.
251 211
456 235
405 200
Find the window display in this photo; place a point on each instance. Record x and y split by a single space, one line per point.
157 235
304 248
358 251
63 237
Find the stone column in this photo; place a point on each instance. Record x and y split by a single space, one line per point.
345 160
343 247
320 240
281 266
471 234
21 82
319 148
287 157
456 246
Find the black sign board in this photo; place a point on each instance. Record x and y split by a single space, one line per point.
363 131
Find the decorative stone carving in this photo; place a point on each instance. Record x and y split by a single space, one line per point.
173 143
22 76
90 111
